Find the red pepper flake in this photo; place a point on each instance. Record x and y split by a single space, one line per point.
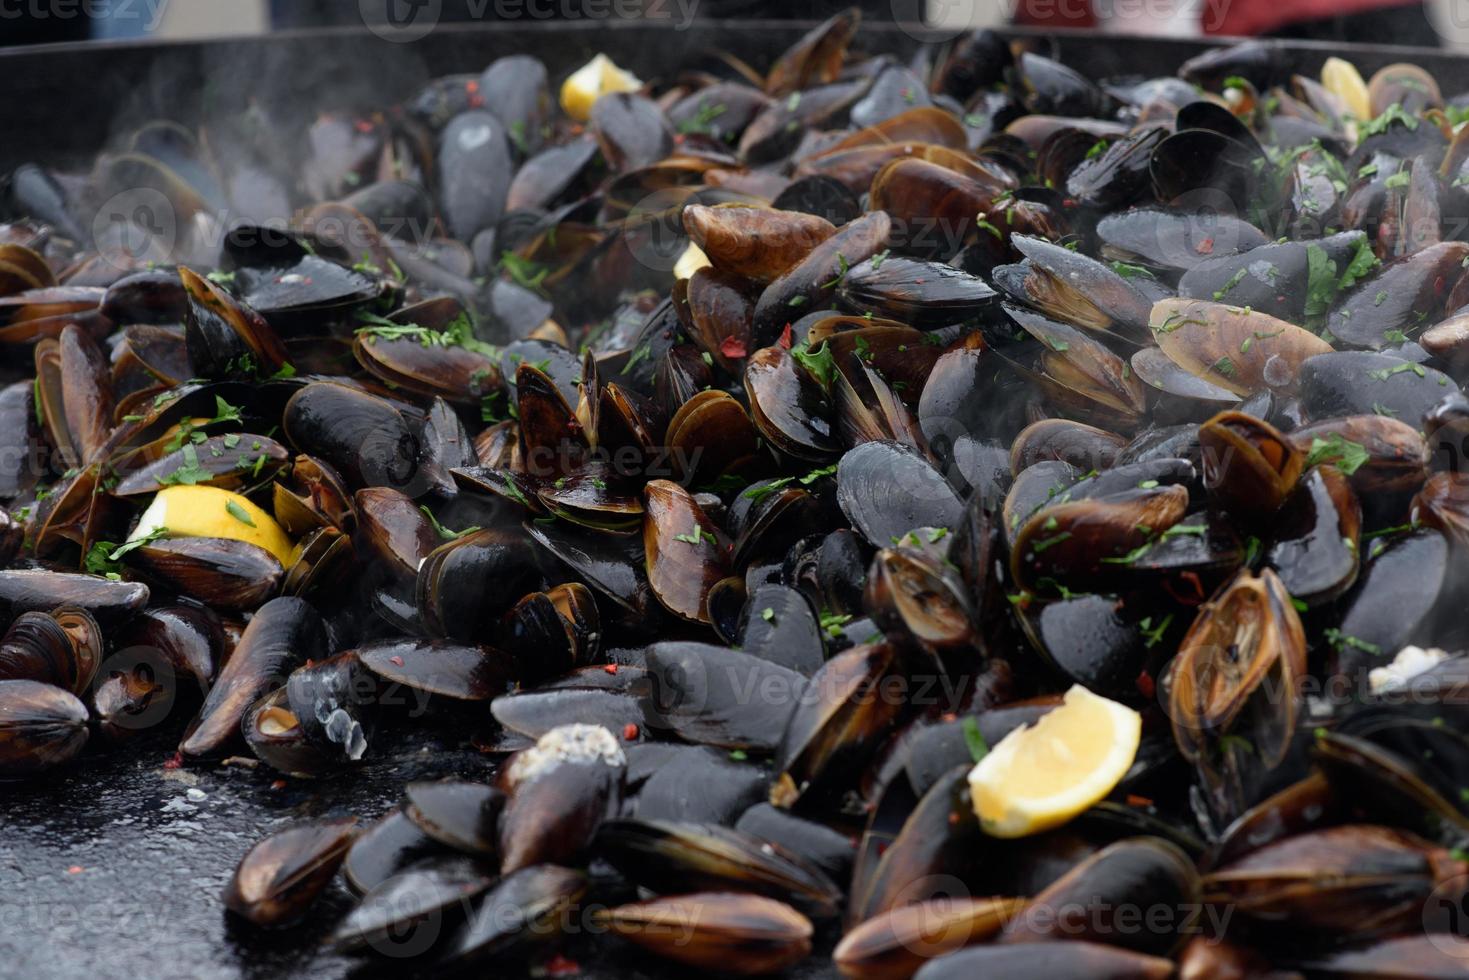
1438 286
1068 202
476 101
611 669
1134 800
471 86
1206 247
278 785
175 761
364 126
561 966
629 732
949 716
678 138
785 337
396 661
75 869
1145 685
732 347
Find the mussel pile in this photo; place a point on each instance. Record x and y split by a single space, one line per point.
740 459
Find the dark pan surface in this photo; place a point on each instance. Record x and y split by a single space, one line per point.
112 868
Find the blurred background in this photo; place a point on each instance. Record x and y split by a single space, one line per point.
1414 22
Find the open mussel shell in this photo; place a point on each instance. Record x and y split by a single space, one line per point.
227 339
1233 347
1079 543
1365 383
887 490
695 693
683 549
403 915
1317 540
1138 869
1394 600
460 815
1438 956
336 701
277 737
932 842
456 673
1249 466
465 585
1044 961
594 496
917 601
386 849
548 634
1361 879
923 294
780 626
1244 648
898 942
746 935
1399 790
521 911
220 572
1174 241
833 734
788 406
63 648
760 244
283 634
361 436
1077 289
1088 640
450 371
41 727
165 659
561 790
280 877
672 858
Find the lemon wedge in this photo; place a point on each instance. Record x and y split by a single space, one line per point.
1341 78
691 261
209 512
590 82
1040 777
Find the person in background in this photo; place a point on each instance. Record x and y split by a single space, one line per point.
1361 21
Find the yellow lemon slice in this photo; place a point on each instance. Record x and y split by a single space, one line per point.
691 261
590 82
209 512
1040 777
1341 78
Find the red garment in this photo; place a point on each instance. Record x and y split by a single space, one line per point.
1056 13
1230 18
1246 17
